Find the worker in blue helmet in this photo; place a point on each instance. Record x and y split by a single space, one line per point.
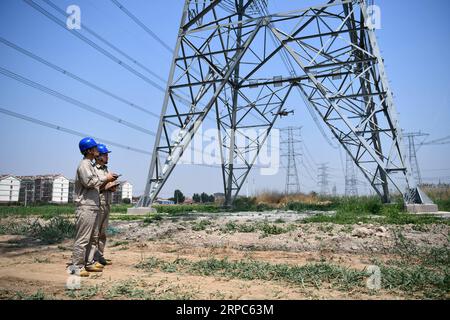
87 201
106 194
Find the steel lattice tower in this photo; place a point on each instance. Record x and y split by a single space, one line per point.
291 137
323 179
412 154
351 182
223 67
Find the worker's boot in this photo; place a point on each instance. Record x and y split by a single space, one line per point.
98 265
81 272
105 262
84 273
93 268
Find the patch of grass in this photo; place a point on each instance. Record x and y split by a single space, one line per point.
56 230
153 218
408 279
183 209
41 260
266 228
201 225
85 293
39 295
53 231
127 288
48 211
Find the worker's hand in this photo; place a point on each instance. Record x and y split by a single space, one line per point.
111 177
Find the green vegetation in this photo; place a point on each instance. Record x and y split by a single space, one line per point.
186 208
53 231
201 225
49 211
39 295
411 280
266 228
152 218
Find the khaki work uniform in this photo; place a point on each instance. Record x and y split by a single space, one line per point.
105 207
87 201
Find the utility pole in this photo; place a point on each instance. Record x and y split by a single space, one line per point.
351 182
323 179
290 142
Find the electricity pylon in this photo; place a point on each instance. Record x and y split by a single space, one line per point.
323 179
412 153
351 182
224 62
291 138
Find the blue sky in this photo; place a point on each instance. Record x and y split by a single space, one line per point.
414 40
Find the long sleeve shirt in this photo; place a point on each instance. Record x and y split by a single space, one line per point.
105 196
87 184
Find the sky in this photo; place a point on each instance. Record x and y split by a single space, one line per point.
413 38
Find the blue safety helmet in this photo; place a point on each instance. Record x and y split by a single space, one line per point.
86 144
102 149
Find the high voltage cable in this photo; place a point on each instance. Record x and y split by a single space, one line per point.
81 134
69 131
109 44
103 51
73 101
73 76
93 44
142 25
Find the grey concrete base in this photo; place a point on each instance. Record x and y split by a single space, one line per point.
141 211
422 208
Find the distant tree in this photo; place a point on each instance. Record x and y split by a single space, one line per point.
211 198
204 197
178 196
196 198
126 201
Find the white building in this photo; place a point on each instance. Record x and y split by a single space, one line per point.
127 191
123 191
60 191
45 189
9 189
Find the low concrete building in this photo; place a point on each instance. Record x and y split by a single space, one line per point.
9 189
27 190
44 189
124 191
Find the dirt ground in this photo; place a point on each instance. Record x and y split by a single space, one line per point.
30 269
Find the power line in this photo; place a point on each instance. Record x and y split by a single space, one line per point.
109 44
81 134
75 77
104 52
69 131
142 25
73 101
94 45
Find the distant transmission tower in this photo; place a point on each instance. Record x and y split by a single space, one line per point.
323 179
291 138
412 153
351 182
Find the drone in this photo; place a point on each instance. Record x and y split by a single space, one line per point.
283 113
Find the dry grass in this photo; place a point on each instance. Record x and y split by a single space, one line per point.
280 199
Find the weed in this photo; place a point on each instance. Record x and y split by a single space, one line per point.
201 225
